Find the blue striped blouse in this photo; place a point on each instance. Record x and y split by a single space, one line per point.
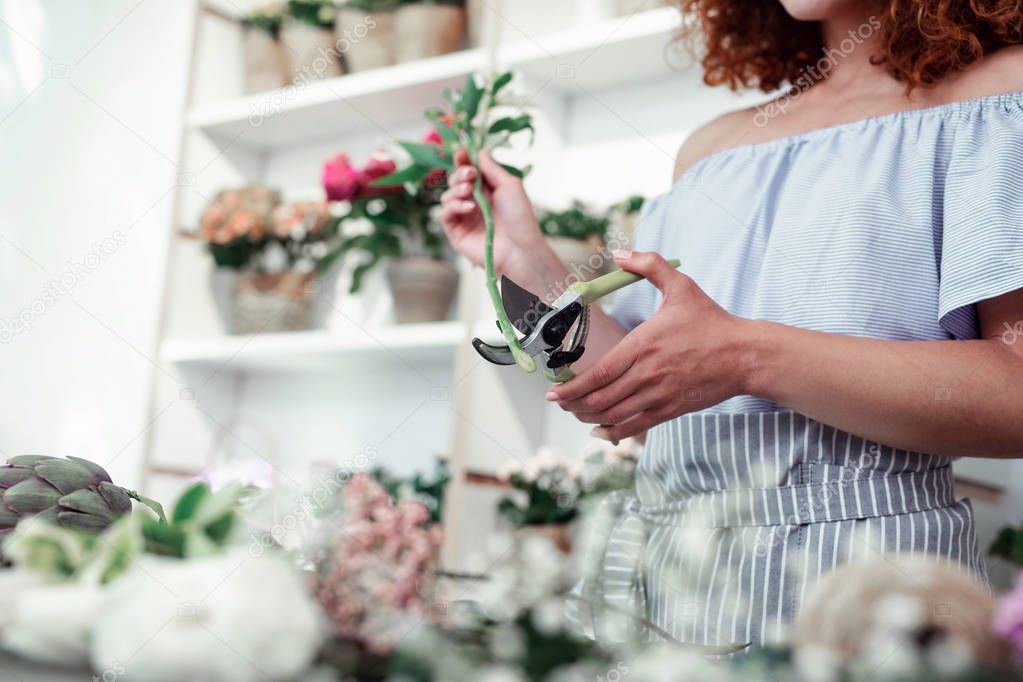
893 227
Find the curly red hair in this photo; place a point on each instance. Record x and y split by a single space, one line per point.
756 43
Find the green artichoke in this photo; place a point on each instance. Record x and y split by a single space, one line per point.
73 493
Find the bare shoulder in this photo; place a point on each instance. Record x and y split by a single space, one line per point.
999 72
723 132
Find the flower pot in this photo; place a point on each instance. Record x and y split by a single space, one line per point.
265 66
422 288
559 535
422 31
585 259
272 303
365 39
311 51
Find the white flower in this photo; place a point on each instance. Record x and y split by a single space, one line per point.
224 618
509 468
49 622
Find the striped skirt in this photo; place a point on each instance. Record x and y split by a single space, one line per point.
736 516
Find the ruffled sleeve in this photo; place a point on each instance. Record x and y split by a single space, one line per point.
638 302
980 245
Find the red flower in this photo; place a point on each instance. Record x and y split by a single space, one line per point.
377 167
437 178
341 180
433 137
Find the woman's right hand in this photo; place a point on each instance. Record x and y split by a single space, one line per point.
517 237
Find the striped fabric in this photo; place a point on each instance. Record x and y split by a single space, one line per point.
737 515
893 227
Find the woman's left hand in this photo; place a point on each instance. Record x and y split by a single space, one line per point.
690 355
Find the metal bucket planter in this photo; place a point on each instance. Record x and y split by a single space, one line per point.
365 39
422 30
422 288
311 51
585 259
265 66
272 303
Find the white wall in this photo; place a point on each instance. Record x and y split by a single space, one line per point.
91 96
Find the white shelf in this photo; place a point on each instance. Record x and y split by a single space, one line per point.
317 350
605 54
333 106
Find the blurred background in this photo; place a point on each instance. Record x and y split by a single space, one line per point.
180 298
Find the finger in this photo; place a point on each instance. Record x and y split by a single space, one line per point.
462 157
492 171
630 428
652 266
604 398
615 364
626 409
458 208
462 190
463 174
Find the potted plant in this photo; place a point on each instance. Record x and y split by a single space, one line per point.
427 28
393 223
272 249
265 66
577 237
307 33
365 33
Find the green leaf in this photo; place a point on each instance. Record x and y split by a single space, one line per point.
499 83
446 132
469 102
413 173
189 502
426 154
212 507
511 124
514 171
163 539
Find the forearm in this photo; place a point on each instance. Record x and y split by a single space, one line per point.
941 397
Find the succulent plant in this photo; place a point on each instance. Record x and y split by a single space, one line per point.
72 493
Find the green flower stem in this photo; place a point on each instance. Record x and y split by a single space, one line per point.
609 283
525 361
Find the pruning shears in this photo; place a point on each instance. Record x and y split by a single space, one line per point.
555 333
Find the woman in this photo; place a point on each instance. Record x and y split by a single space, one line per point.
845 321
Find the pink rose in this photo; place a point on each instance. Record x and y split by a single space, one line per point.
377 167
341 180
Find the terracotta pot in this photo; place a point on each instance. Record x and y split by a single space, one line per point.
585 259
311 52
422 288
365 39
558 533
265 66
272 303
422 31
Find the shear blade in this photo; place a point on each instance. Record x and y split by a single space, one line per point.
499 355
523 308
